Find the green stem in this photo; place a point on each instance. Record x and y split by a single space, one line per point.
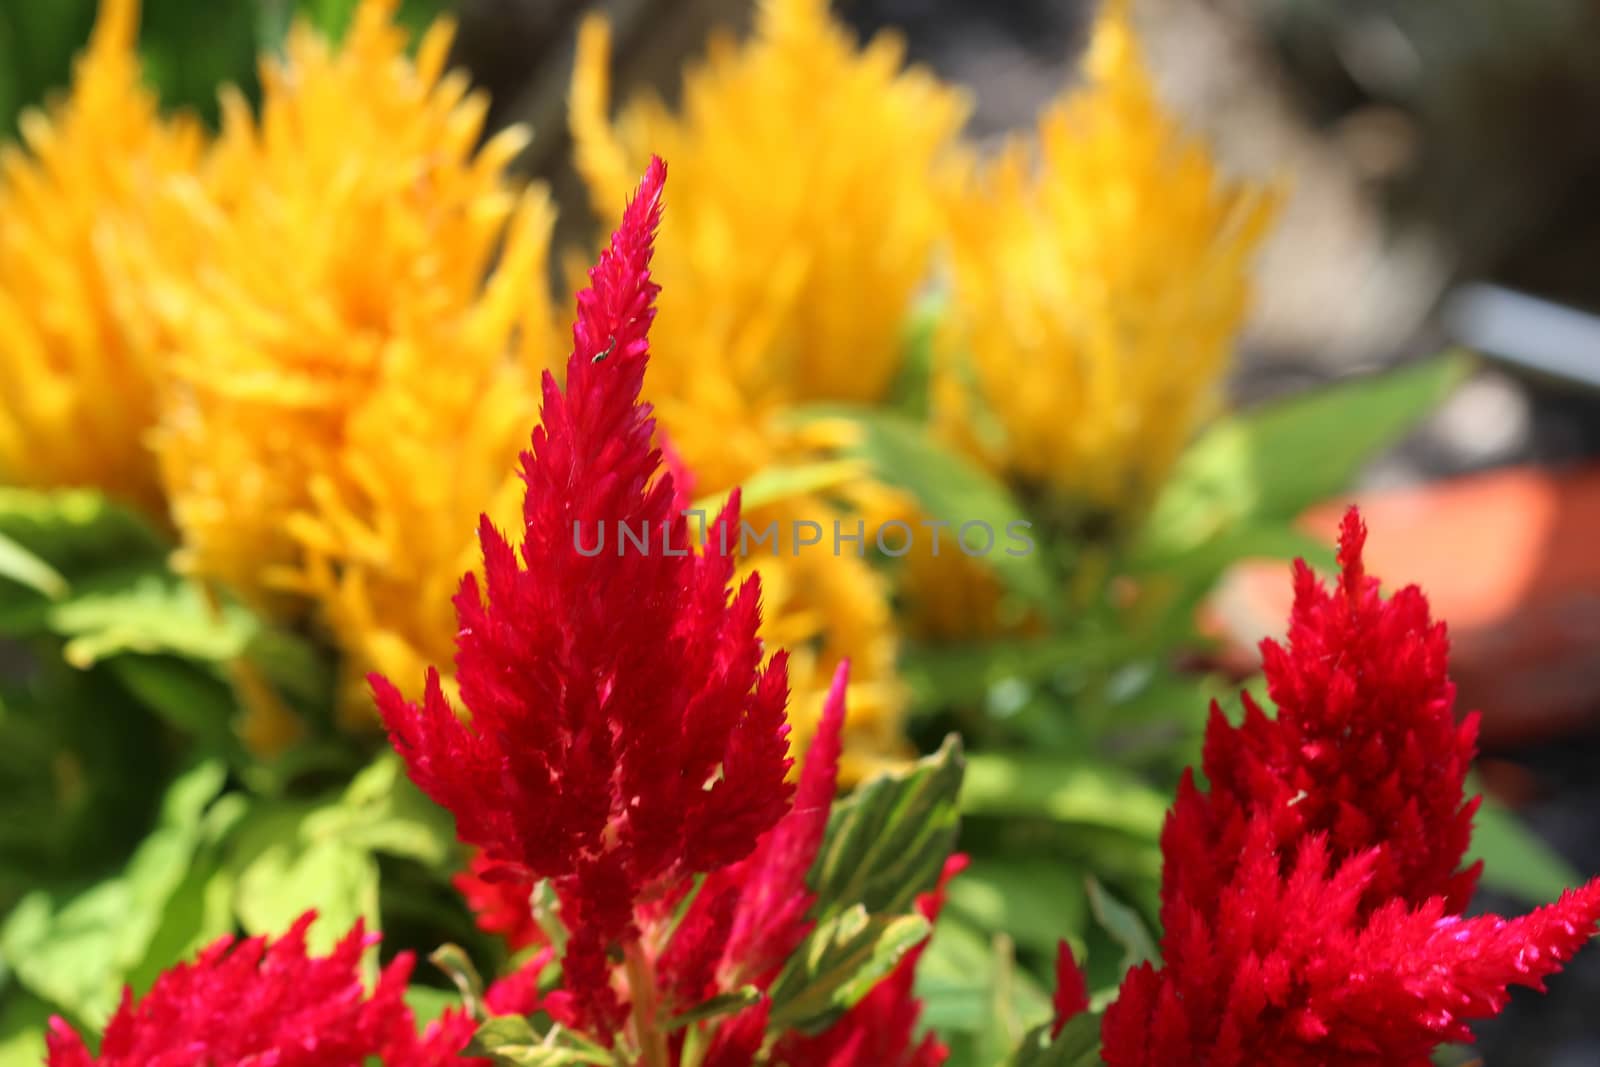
642 993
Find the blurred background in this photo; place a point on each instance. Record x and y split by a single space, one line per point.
1441 163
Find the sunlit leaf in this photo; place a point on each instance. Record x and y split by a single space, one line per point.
888 841
715 1007
1274 462
1078 1045
19 565
76 951
951 489
837 964
1062 789
1126 927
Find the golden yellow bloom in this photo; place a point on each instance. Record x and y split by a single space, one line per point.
1100 276
77 392
803 218
353 361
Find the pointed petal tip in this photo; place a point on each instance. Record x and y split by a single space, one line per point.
1352 542
1072 990
644 209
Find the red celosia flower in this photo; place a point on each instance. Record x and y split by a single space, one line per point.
1290 969
1072 989
1365 747
623 734
1311 898
518 992
500 901
268 1002
749 917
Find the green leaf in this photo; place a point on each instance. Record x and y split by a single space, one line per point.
964 674
76 952
1515 861
293 855
382 811
427 1003
188 696
1064 790
455 963
1276 461
23 1018
1271 538
910 392
509 1039
951 489
719 1005
281 873
201 908
973 993
837 964
888 841
19 565
148 611
74 530
1032 900
1125 926
547 914
1078 1044
11 98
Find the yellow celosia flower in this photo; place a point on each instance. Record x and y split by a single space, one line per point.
353 360
77 391
1100 277
802 224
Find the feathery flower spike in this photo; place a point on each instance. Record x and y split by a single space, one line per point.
1109 255
1365 747
79 385
1312 897
802 161
624 734
268 1001
354 370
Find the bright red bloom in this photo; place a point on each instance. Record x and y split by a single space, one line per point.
518 992
500 901
268 1002
623 733
1365 747
1311 898
750 916
1291 969
1072 989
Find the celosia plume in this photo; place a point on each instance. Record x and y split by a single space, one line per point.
269 1002
748 919
1365 747
1106 261
499 900
1072 988
803 167
355 367
624 734
1312 896
79 391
